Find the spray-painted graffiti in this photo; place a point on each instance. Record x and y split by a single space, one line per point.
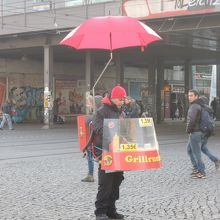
27 103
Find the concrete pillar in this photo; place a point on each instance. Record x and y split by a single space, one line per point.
89 65
188 75
89 76
48 86
119 69
218 90
188 82
159 87
151 101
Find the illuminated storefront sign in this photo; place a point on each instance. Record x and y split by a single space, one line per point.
151 9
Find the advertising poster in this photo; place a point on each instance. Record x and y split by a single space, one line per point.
71 96
130 144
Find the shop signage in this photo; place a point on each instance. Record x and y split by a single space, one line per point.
178 89
151 9
203 76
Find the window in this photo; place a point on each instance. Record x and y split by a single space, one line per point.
69 3
203 83
42 5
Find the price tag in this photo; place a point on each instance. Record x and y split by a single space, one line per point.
128 147
145 122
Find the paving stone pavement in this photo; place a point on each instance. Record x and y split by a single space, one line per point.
41 172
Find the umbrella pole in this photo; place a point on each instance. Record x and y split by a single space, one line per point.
93 88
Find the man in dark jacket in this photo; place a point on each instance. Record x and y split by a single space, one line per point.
109 183
196 137
203 101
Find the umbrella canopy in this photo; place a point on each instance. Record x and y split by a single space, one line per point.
110 33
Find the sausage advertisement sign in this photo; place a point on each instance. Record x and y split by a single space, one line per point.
130 144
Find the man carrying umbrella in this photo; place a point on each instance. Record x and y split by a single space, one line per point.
109 183
111 36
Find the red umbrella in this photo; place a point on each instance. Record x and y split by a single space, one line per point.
110 33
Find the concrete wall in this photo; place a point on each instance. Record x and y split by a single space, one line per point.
24 82
8 66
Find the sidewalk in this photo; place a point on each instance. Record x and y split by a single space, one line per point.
41 172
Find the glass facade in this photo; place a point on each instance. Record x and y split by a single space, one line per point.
12 7
174 73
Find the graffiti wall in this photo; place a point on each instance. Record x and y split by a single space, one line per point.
26 93
27 103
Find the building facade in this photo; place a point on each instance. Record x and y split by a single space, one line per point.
35 70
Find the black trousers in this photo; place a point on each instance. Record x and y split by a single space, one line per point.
108 191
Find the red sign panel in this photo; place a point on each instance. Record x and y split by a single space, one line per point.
151 9
130 144
83 131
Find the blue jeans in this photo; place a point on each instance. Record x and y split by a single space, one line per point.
195 143
90 156
6 117
90 163
207 152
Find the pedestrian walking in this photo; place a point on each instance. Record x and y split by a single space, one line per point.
214 106
180 109
196 137
90 160
56 105
6 115
204 148
131 108
90 175
173 110
109 183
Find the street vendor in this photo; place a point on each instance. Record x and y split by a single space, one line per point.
109 183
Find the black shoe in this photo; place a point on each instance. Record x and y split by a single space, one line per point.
115 215
101 217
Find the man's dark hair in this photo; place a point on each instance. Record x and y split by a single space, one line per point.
194 91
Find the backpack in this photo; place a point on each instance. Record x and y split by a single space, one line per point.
207 122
